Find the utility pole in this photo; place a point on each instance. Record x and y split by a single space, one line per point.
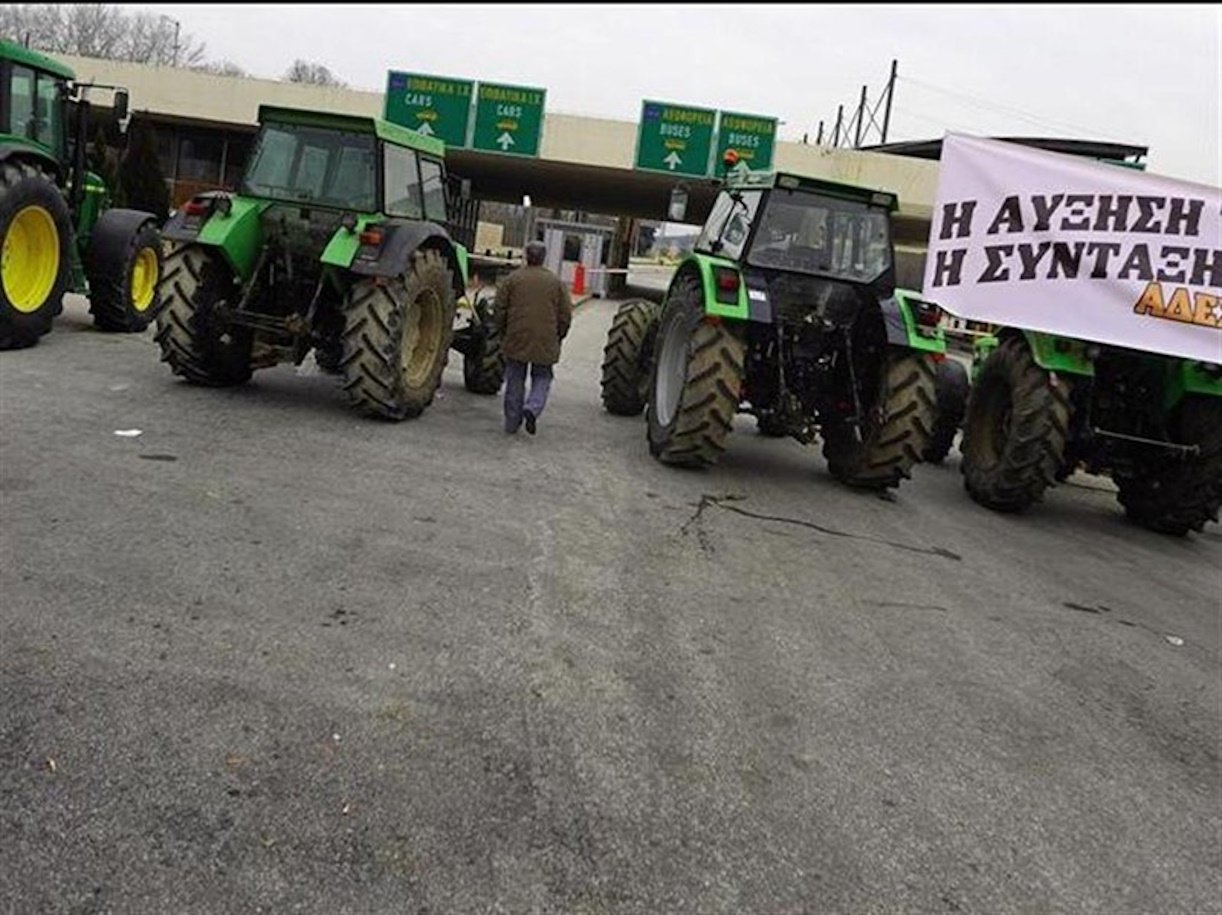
861 116
836 133
890 93
177 29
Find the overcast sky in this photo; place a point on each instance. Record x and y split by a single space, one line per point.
1140 74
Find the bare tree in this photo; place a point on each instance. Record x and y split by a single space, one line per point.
98 30
303 71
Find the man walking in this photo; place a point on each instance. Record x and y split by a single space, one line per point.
533 311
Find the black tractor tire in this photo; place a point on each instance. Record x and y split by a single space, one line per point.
193 341
483 368
1016 429
628 357
123 268
1176 495
896 430
696 382
42 236
952 387
397 334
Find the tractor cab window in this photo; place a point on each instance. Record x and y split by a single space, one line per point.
434 190
325 167
49 110
402 183
36 107
809 233
725 231
354 178
21 103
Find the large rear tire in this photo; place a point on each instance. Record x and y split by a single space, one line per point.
896 428
35 253
195 343
483 368
1016 429
952 389
628 356
696 384
1176 495
396 337
124 267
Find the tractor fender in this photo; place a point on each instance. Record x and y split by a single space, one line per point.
35 155
112 236
1063 355
729 303
403 239
903 329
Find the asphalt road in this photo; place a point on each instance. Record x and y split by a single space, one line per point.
268 656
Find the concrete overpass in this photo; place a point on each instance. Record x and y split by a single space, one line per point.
585 163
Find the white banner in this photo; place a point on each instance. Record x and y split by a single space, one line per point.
1051 242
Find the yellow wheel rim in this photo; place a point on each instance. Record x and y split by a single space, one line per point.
422 337
29 259
144 279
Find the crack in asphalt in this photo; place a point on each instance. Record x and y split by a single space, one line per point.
707 500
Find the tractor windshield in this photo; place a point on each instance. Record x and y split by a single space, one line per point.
311 164
810 233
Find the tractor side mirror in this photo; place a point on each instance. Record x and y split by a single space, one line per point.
678 204
120 106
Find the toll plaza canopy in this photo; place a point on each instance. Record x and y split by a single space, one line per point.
583 163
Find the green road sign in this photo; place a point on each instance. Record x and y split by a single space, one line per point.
508 119
674 138
752 137
433 105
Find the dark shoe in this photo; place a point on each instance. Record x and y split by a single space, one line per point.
530 421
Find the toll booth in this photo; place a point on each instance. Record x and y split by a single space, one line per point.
571 243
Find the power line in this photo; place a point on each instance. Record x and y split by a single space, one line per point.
998 107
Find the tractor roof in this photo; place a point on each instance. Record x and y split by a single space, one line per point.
383 130
10 50
791 181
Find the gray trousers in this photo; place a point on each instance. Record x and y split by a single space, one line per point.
516 399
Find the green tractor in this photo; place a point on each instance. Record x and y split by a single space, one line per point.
57 231
788 311
339 241
1042 406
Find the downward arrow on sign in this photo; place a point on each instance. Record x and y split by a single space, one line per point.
504 141
672 160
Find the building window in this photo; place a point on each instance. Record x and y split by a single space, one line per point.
237 151
167 148
199 157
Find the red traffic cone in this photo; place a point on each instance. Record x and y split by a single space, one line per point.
579 280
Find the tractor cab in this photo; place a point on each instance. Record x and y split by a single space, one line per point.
56 231
343 240
792 224
33 92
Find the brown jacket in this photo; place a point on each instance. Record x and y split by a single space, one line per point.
534 311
